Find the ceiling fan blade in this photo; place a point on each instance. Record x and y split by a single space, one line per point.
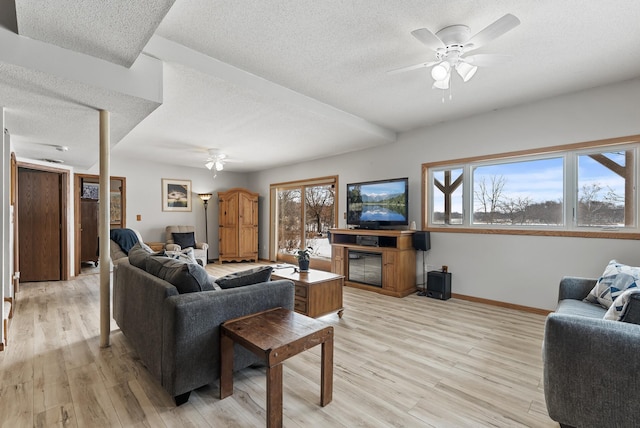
493 31
486 60
428 39
413 67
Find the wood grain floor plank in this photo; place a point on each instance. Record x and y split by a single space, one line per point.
410 362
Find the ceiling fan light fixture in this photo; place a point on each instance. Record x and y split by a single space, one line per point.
466 71
442 84
441 71
209 164
219 166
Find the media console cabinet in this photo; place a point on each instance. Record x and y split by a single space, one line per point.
383 261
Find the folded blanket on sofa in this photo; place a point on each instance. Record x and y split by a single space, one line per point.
126 238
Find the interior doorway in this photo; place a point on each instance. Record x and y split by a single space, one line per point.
87 203
41 220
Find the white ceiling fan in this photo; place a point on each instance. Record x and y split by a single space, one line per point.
452 43
217 159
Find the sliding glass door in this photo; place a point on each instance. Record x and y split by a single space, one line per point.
304 211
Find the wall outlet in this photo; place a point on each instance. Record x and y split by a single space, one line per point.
138 217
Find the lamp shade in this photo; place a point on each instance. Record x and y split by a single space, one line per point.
209 164
442 84
219 166
440 71
466 71
205 196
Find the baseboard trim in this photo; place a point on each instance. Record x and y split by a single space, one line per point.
502 304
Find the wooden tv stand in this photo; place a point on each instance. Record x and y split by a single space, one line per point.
398 267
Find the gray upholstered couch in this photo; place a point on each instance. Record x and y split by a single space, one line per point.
591 365
177 336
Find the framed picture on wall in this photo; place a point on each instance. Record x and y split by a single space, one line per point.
90 190
176 195
116 208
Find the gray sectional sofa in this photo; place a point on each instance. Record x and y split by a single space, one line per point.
591 365
177 336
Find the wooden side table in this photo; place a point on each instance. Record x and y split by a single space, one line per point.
276 335
317 292
155 246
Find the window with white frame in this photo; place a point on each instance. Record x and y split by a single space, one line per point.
584 188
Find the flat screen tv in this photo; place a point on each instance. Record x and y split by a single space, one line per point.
376 204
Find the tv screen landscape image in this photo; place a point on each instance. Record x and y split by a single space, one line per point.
378 203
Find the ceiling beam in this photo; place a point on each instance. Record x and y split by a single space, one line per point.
169 51
8 18
142 80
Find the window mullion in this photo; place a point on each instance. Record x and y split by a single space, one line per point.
570 190
467 195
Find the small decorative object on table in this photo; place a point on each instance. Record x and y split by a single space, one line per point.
304 257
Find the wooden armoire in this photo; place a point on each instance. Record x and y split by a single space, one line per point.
238 225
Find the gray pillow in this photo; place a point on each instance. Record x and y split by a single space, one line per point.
138 256
186 277
246 277
140 252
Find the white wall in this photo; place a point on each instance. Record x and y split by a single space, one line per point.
144 197
522 270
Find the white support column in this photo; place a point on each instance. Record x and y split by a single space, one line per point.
103 232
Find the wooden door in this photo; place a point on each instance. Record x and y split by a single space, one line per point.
228 225
248 226
40 225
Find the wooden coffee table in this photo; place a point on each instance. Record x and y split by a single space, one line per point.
276 335
317 292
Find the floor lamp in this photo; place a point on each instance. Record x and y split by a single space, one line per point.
205 199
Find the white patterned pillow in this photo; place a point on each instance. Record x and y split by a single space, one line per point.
187 255
616 278
619 307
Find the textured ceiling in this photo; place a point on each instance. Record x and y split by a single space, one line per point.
276 82
115 30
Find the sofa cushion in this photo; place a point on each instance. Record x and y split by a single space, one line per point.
580 308
246 277
186 277
617 278
185 240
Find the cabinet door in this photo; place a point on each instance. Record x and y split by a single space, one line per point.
337 259
89 232
228 225
248 225
389 270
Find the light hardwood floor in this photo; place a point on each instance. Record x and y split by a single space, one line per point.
410 362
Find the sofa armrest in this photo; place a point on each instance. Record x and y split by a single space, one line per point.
172 247
202 246
573 287
591 369
191 345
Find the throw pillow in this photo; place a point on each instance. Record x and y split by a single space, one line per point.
186 277
187 255
247 277
619 307
616 278
185 240
138 255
